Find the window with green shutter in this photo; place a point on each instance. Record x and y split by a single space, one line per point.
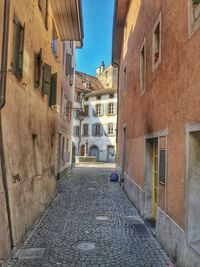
46 83
18 48
52 97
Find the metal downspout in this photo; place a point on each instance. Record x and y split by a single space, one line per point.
3 73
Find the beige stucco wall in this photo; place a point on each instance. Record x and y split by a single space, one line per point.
26 113
109 77
65 123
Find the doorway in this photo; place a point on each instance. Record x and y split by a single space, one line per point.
94 151
83 150
151 179
111 154
193 198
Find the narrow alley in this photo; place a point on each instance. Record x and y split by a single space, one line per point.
90 223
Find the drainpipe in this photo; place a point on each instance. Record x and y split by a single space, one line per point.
3 71
3 74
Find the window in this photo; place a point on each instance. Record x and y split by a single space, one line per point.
157 44
124 79
98 110
65 107
111 109
67 146
143 67
69 112
38 66
63 53
85 129
86 110
110 129
61 101
53 91
196 9
76 130
54 42
97 129
162 168
63 148
111 96
43 5
193 16
18 48
78 97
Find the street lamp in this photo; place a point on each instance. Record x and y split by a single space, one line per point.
80 116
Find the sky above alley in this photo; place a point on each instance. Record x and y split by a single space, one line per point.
97 43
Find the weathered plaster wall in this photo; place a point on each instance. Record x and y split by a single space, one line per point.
27 113
109 77
171 98
66 122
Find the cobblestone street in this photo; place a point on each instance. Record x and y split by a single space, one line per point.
91 223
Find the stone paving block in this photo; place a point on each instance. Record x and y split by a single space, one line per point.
122 241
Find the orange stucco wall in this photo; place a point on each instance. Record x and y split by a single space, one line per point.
171 98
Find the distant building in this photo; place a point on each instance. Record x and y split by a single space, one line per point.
95 135
156 46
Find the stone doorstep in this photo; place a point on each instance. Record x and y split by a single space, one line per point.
31 253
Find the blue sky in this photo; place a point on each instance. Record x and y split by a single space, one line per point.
97 43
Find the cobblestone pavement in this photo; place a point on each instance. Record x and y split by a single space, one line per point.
84 196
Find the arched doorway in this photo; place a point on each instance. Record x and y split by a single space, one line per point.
83 150
94 151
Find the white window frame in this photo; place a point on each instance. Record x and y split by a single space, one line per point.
157 63
193 24
110 127
111 108
98 110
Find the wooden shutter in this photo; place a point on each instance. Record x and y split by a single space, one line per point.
71 78
94 111
46 13
18 47
94 129
46 85
52 98
68 64
115 108
162 170
21 50
102 109
101 130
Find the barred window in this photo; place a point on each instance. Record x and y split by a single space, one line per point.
110 129
98 109
110 108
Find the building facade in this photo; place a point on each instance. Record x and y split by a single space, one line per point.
32 78
155 45
65 131
95 134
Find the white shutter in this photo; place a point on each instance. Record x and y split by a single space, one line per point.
115 108
102 109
